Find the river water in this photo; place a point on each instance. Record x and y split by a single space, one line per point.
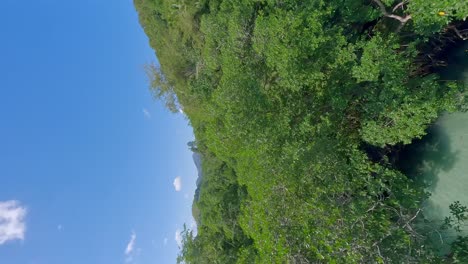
440 159
445 167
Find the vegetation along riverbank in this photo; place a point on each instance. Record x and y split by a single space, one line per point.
302 111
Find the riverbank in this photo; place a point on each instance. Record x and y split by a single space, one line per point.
439 161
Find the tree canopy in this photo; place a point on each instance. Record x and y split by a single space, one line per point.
286 98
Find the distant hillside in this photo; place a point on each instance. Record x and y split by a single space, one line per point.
197 159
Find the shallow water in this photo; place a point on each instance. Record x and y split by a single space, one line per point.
445 166
441 158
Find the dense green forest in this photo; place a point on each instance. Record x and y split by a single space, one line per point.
299 109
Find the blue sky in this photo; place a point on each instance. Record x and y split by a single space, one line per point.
87 157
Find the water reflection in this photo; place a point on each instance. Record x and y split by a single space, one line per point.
425 158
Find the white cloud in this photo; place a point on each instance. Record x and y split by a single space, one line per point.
146 113
12 225
165 241
131 244
178 184
178 237
130 251
193 226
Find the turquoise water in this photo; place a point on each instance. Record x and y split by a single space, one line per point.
441 158
447 170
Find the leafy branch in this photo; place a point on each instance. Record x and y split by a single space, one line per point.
403 19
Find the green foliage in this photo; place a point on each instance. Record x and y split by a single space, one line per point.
161 87
459 214
427 16
283 96
456 221
460 250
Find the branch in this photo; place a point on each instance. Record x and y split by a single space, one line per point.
373 207
407 223
384 11
458 33
401 4
378 251
402 24
403 20
440 236
381 6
